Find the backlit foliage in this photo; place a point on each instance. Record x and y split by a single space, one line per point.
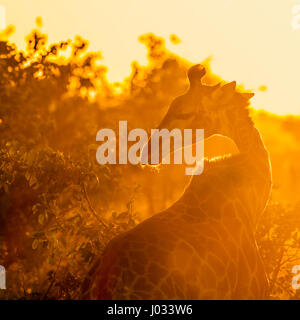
59 208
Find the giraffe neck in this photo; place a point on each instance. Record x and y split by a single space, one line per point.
246 137
250 168
254 165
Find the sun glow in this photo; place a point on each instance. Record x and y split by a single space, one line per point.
264 53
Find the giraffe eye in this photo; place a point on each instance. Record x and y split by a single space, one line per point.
184 116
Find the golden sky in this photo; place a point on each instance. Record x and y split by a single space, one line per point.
251 41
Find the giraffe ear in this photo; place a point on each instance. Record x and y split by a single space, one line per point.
229 86
227 91
247 95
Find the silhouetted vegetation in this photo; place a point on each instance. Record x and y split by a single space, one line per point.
59 208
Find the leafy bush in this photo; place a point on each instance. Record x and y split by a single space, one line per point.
59 209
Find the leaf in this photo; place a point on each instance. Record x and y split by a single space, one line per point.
27 175
35 208
33 180
35 244
6 188
31 157
41 218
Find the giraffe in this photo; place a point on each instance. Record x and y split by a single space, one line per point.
203 246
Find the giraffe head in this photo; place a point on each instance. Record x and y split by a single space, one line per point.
188 111
216 109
